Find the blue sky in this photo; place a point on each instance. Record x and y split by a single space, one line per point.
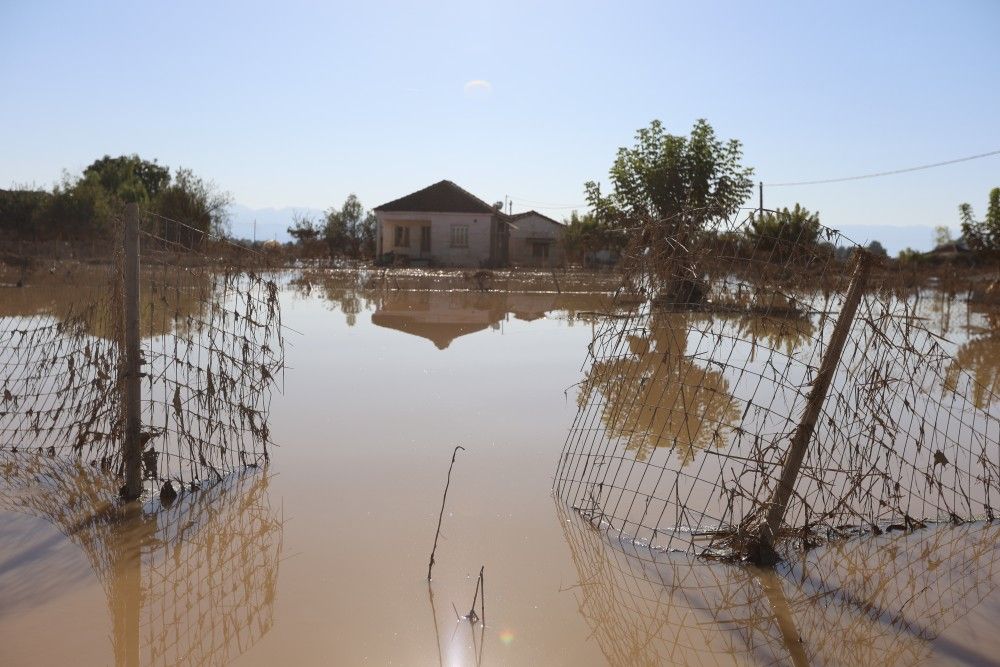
299 104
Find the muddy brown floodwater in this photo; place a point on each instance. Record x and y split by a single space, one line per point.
321 558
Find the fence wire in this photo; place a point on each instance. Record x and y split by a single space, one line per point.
696 382
887 600
212 349
192 583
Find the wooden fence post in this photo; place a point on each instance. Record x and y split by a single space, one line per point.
762 550
131 445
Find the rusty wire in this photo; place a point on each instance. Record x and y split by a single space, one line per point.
212 345
692 392
189 583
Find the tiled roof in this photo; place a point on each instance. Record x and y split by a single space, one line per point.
518 216
442 197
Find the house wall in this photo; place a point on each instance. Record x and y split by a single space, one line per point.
534 227
478 253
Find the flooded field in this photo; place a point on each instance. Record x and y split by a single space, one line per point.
320 557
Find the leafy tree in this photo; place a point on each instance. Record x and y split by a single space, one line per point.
942 236
786 232
983 235
909 256
129 177
20 208
79 208
195 202
83 206
308 235
681 183
304 229
350 230
584 234
877 249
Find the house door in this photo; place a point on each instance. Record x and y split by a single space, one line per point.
425 240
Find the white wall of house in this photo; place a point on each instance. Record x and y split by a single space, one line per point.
480 230
530 230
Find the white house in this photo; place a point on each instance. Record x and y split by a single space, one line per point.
535 240
442 224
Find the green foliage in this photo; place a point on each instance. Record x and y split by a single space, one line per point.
680 182
20 208
586 234
129 177
83 207
909 256
877 250
786 231
942 235
982 235
195 202
304 229
77 209
347 231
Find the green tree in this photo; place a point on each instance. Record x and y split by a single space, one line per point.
877 249
942 235
129 177
350 230
982 235
584 234
678 183
78 208
304 229
195 202
786 232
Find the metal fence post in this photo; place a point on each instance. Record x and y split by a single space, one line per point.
762 551
131 445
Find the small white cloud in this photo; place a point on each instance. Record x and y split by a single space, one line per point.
478 88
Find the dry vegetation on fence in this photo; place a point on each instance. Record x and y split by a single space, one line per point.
690 403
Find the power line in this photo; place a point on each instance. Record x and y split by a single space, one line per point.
886 173
542 204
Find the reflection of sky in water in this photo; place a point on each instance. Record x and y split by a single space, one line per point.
366 425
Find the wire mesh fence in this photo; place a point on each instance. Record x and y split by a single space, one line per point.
193 583
888 600
211 347
711 366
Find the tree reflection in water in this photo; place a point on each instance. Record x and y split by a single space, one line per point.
189 583
979 357
657 396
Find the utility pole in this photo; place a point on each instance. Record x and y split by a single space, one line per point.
760 189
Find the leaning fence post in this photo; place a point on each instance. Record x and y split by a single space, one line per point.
131 446
762 551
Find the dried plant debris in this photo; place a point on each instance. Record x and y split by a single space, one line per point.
689 403
212 349
194 580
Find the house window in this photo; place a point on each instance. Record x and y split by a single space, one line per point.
540 250
402 237
459 236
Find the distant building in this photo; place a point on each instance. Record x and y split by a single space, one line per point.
446 225
442 224
535 240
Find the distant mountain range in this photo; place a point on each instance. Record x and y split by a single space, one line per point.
273 223
892 238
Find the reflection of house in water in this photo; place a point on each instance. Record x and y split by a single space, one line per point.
441 316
